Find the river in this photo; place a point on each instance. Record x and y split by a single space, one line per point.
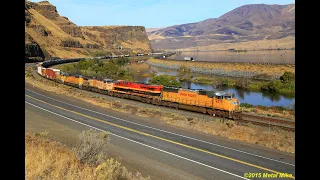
254 98
274 56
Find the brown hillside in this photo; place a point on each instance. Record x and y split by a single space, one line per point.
243 24
49 35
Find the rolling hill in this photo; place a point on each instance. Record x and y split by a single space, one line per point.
247 23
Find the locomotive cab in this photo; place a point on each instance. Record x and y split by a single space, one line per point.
225 101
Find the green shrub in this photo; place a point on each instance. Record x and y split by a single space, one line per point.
246 105
202 80
165 80
121 61
97 68
255 86
280 108
287 77
90 148
242 83
226 82
184 73
272 86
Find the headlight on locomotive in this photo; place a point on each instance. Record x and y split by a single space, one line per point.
236 104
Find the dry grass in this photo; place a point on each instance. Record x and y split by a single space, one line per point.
153 29
270 138
51 43
287 42
155 36
270 112
46 159
268 69
274 138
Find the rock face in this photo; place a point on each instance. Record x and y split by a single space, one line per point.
130 38
33 51
245 23
49 35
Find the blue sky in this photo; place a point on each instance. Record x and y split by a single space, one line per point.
148 13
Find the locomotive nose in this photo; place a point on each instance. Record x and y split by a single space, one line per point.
236 104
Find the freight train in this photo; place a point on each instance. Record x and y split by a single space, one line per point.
220 104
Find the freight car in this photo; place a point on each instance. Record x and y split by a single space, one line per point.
219 104
51 73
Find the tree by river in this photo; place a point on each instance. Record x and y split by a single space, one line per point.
112 69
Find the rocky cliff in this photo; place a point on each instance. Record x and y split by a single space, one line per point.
49 35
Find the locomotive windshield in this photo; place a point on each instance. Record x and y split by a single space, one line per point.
223 95
227 97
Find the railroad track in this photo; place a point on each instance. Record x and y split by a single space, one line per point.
250 118
262 120
268 121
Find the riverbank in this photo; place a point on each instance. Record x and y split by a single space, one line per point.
274 111
233 75
273 86
245 70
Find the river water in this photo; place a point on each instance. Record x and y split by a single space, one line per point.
274 56
254 98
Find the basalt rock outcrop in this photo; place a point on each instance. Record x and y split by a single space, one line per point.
49 35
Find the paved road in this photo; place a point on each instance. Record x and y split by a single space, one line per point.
200 155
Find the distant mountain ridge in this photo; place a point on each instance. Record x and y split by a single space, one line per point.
245 23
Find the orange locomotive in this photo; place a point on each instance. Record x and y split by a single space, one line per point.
220 104
103 86
137 91
214 103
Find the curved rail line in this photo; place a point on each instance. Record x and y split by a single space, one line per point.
246 118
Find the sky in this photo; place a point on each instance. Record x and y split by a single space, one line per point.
148 13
